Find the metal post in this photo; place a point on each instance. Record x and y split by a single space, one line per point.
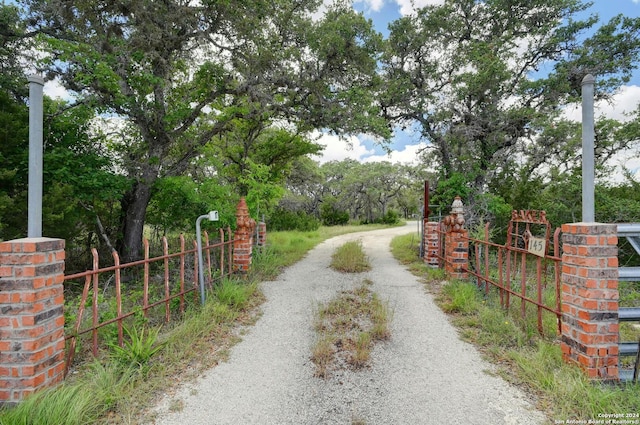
200 260
588 162
212 216
34 224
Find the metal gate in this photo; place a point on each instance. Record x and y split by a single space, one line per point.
630 231
528 266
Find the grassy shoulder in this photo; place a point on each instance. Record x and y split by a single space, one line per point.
523 357
122 386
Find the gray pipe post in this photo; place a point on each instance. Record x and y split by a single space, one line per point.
212 216
588 150
34 225
200 260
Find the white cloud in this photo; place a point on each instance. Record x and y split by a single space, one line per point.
625 101
408 155
372 5
55 90
408 7
337 149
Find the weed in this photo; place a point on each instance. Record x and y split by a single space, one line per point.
322 356
347 326
460 297
176 405
66 405
233 293
350 258
80 402
435 274
360 357
139 349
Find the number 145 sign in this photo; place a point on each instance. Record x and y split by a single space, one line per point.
537 246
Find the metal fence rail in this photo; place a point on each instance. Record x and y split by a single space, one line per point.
174 275
630 231
516 272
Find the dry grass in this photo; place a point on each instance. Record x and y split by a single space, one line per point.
347 327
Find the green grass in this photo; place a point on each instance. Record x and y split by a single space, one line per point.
524 357
80 401
350 258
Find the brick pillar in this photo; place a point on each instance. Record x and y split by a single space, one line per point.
262 233
590 298
32 320
456 242
243 245
456 246
431 243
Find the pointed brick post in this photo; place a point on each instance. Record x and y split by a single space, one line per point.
590 298
456 243
243 245
32 320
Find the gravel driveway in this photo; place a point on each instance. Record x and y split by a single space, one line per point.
423 375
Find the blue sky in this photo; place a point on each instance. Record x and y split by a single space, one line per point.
405 145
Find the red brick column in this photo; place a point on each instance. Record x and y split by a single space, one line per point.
431 243
262 233
456 246
32 320
590 298
456 242
243 245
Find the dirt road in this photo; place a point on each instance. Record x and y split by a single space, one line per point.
423 375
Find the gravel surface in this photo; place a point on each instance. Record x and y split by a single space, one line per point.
423 375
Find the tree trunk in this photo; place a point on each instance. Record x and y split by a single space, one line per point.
134 210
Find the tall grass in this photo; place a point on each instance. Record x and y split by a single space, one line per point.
350 258
526 358
79 402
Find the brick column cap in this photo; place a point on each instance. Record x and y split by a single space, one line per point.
26 245
589 224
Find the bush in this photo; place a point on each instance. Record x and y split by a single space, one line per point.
390 217
334 217
292 220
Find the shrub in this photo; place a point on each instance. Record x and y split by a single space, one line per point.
334 217
283 219
390 217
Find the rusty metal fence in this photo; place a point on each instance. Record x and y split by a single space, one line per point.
528 266
121 291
